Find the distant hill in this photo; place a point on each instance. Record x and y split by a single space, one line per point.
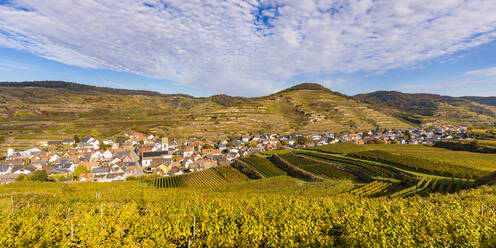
491 100
228 101
429 108
47 110
83 88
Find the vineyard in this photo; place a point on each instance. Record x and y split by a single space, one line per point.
384 173
264 166
316 168
302 198
419 164
205 178
129 214
340 148
372 189
367 167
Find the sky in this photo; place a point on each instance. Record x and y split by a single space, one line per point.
253 48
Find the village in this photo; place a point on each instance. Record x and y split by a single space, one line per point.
135 154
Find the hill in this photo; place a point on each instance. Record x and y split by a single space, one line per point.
81 88
490 100
45 110
431 108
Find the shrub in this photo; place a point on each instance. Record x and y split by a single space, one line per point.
39 175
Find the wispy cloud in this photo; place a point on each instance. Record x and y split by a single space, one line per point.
7 65
488 72
245 47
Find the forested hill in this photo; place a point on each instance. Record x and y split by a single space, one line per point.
83 88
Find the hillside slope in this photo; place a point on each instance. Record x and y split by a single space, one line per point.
489 100
59 110
431 108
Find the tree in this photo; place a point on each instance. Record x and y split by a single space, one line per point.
21 177
77 139
253 144
80 169
207 146
131 178
408 135
301 140
120 139
39 176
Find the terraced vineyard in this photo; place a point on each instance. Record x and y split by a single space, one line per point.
372 189
230 174
205 178
367 167
316 168
264 166
419 164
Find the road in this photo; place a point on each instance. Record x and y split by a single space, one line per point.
135 158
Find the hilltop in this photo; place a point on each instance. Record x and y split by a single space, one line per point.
429 108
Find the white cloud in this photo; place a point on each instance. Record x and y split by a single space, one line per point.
488 72
7 65
235 46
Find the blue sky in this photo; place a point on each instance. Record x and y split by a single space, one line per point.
253 48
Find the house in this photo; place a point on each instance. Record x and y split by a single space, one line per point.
147 157
245 138
231 156
23 169
54 143
12 162
160 161
68 141
237 144
210 151
88 177
114 177
162 169
187 152
89 143
207 163
5 169
8 178
29 153
129 168
223 145
65 165
53 157
100 170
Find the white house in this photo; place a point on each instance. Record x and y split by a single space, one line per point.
10 152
